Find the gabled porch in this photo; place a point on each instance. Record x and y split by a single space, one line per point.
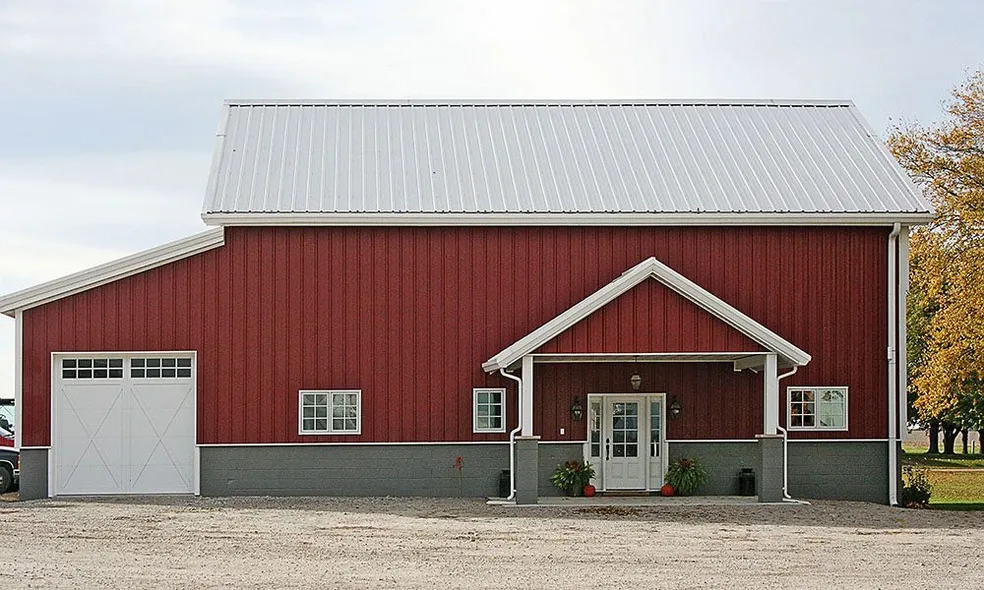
630 419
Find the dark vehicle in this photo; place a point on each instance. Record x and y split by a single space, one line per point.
9 469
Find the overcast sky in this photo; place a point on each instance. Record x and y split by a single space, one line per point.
108 108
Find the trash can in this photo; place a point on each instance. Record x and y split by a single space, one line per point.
746 482
504 484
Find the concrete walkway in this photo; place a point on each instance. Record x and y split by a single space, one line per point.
653 501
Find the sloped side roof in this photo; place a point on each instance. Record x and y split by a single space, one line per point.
789 355
316 159
111 271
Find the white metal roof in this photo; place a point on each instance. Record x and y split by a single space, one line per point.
650 268
305 161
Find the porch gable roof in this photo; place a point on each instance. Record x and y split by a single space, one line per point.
788 354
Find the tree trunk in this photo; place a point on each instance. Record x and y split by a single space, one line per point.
963 439
950 433
934 438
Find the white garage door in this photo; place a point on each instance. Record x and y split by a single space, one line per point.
124 424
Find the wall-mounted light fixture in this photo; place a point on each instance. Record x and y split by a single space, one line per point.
576 411
636 381
675 408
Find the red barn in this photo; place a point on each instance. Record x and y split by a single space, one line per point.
409 298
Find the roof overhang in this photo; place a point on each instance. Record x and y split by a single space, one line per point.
565 219
788 354
111 271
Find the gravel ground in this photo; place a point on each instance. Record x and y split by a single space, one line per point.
438 543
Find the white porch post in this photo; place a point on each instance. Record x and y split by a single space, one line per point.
526 403
770 407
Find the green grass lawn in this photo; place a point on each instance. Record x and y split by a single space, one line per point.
919 458
957 480
957 490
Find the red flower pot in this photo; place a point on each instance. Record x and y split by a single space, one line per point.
589 490
666 490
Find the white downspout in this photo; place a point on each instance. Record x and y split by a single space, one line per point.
785 447
903 335
514 432
892 367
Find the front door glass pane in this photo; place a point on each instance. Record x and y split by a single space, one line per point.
655 422
594 423
625 429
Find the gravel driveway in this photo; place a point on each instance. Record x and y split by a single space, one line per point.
426 543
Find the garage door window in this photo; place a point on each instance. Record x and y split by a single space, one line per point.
160 368
91 368
330 411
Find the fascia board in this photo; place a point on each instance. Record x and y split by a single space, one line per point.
111 271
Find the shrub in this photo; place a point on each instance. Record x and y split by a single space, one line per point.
685 475
916 488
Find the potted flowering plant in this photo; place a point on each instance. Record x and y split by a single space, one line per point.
571 477
685 475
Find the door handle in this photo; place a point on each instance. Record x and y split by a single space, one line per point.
607 441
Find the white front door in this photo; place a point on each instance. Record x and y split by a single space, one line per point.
626 443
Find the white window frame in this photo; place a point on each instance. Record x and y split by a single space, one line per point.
816 389
329 431
91 359
502 396
160 368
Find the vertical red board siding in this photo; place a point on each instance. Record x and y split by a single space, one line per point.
634 323
408 315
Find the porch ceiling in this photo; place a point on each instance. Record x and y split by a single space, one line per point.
741 360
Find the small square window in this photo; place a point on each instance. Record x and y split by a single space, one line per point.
330 412
489 410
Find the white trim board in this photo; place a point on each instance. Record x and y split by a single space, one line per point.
789 355
356 444
111 271
219 218
714 440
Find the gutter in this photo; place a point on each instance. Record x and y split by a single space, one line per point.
513 433
893 322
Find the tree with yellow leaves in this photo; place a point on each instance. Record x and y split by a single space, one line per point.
946 298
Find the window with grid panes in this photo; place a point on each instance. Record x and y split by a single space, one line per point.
330 411
817 408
